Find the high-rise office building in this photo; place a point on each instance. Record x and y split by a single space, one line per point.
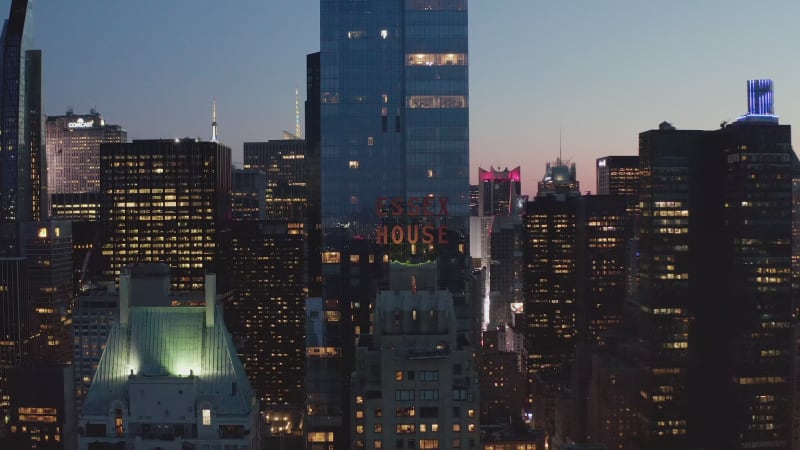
618 175
394 158
265 314
48 248
500 192
17 324
397 126
17 327
714 301
22 162
247 195
42 413
549 241
284 165
502 377
73 150
73 162
574 251
500 204
96 312
167 201
505 267
313 160
353 277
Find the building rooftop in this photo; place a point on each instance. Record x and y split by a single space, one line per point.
164 343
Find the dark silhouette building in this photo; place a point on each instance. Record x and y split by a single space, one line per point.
48 249
265 314
22 163
499 192
714 302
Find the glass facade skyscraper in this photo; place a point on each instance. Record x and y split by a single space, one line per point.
394 108
22 175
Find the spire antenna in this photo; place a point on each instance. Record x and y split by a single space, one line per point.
559 144
297 113
214 137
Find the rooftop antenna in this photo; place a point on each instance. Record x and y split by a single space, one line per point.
297 112
559 144
214 122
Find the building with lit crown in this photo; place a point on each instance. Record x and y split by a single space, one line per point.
169 377
714 292
73 162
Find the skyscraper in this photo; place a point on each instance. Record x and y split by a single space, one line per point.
284 165
73 162
500 192
22 161
394 157
16 321
714 302
48 248
618 175
167 201
73 150
559 179
247 194
395 110
265 314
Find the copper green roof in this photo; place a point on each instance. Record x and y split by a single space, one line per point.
171 342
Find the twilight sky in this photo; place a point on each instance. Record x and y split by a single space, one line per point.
602 71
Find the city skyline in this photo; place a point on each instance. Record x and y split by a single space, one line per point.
591 77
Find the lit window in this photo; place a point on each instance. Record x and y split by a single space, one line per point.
384 34
398 375
206 417
370 140
355 259
42 232
353 164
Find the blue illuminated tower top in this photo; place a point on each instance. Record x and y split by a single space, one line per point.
760 99
760 102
